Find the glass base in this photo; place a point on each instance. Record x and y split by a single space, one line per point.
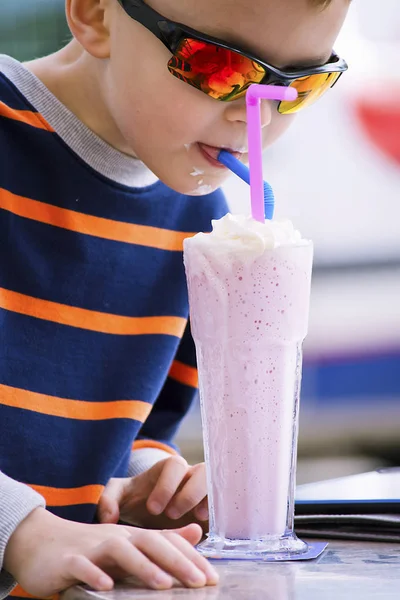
270 549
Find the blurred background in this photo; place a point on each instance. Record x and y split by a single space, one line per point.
336 174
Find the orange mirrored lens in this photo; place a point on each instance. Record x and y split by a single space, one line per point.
309 89
221 73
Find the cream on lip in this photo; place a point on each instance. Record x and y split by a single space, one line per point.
196 171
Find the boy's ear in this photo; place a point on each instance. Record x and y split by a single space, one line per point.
88 22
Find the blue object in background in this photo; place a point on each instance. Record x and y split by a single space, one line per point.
355 379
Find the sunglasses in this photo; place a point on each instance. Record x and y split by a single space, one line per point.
225 72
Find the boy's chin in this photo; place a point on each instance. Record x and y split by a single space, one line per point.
202 190
196 186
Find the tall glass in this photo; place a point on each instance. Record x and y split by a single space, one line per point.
249 316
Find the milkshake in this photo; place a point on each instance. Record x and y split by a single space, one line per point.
249 289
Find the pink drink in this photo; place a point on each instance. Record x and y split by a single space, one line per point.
249 288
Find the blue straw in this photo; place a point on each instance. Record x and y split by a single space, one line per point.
237 167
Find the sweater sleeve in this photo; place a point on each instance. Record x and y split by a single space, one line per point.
17 501
143 459
173 402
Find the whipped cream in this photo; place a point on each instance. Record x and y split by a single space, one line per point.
241 233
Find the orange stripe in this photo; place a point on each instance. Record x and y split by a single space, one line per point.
184 374
142 235
88 494
24 116
18 591
74 409
90 319
138 445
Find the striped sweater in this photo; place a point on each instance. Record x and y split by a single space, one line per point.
96 357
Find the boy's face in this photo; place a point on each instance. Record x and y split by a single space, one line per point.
165 121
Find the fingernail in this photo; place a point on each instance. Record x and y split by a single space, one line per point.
155 508
105 582
174 513
202 514
162 581
197 579
212 576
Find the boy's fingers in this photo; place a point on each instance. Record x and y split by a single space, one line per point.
174 471
78 568
201 563
170 558
109 503
128 559
108 511
192 533
201 510
192 493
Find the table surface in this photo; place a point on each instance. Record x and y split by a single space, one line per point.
345 571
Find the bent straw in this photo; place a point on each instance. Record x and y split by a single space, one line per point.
254 94
238 168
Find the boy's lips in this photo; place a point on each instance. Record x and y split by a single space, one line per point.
211 153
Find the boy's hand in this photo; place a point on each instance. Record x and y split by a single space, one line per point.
47 554
170 494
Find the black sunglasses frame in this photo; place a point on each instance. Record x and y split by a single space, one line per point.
171 33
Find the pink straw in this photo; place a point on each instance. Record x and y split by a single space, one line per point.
253 102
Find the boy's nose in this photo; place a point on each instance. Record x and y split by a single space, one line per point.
236 111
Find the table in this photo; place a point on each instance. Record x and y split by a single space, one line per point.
345 571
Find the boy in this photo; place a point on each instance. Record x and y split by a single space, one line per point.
92 290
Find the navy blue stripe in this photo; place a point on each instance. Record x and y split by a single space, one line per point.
187 351
43 450
11 96
174 399
82 513
67 362
78 270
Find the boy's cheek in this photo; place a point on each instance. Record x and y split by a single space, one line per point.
277 127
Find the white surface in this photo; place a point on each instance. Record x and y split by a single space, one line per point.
354 312
366 486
